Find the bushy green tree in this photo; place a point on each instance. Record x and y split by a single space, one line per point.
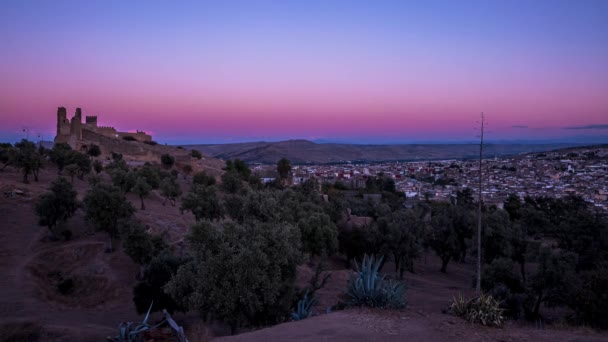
6 152
71 170
319 235
283 168
57 205
60 154
239 167
552 283
201 178
157 273
124 180
443 238
242 275
355 242
402 234
150 174
501 281
82 162
497 235
117 164
105 207
231 182
26 158
170 190
140 245
590 303
167 161
141 188
203 202
94 150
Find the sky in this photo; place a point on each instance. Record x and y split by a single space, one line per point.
334 70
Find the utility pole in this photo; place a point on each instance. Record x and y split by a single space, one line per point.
478 282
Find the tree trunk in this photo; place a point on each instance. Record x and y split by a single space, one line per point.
444 264
110 245
537 304
522 269
143 207
397 260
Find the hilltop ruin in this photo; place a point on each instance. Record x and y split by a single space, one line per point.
75 133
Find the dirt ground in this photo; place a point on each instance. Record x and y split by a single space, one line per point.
31 265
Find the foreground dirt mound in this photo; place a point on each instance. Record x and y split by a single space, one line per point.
76 275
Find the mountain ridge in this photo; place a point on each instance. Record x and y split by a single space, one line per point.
307 152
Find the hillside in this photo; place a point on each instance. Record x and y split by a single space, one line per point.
303 151
32 309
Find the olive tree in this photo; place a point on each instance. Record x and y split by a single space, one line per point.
57 205
105 207
242 275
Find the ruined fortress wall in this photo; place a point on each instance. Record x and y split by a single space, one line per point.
104 130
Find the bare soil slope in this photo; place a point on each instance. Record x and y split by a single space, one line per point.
31 307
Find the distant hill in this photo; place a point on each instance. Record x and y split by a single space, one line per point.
307 152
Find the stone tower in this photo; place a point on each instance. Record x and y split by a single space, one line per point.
63 124
91 121
76 124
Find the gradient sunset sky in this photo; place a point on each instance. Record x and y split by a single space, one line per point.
334 70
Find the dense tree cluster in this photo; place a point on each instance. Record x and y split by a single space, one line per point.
240 260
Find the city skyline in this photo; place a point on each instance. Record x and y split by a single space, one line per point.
366 72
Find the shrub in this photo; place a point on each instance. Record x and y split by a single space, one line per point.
94 150
151 142
167 160
367 288
116 156
128 138
150 290
65 286
196 154
483 309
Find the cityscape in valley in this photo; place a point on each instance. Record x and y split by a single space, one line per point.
577 171
343 171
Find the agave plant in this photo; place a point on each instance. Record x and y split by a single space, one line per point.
130 331
304 309
367 288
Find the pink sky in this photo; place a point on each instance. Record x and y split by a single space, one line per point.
391 72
